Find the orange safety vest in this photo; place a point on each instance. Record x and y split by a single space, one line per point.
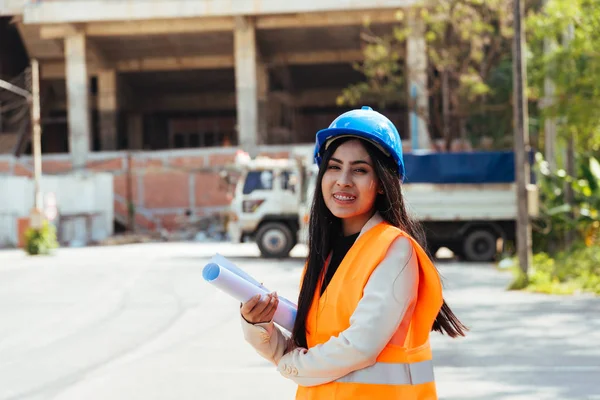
400 372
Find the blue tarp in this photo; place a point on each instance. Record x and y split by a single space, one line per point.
471 167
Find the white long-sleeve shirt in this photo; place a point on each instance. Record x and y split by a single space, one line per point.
387 303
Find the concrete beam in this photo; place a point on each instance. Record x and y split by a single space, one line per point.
216 24
55 69
325 19
316 57
58 31
61 11
175 63
147 27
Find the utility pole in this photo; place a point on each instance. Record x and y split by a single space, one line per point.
36 217
521 140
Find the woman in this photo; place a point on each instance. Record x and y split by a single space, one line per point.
370 294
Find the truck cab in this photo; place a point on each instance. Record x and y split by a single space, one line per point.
270 204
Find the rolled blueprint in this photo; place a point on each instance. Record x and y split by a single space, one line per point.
225 263
244 289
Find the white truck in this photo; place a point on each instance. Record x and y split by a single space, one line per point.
270 203
474 218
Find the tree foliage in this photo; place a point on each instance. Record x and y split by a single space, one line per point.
466 40
571 60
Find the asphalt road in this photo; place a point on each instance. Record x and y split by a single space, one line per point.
138 322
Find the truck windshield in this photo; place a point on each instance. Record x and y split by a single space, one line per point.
258 180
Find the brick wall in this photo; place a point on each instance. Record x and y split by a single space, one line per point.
164 184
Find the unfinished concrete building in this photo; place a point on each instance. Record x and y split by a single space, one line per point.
186 83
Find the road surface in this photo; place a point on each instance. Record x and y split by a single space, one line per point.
138 322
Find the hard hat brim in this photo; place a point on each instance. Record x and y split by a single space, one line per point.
327 136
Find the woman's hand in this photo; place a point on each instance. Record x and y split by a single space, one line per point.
258 310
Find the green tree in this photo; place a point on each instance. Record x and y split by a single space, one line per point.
466 41
564 43
564 48
571 29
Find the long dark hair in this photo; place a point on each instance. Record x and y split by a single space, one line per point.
323 224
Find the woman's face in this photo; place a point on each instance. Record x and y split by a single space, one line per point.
350 186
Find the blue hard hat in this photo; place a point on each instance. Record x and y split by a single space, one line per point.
365 124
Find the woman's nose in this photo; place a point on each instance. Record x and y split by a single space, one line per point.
344 179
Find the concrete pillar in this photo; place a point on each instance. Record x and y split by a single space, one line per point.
135 131
78 107
416 69
246 84
108 109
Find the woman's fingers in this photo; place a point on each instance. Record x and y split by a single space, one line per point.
250 304
267 314
262 305
259 310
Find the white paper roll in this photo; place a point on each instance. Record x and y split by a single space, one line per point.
225 263
243 290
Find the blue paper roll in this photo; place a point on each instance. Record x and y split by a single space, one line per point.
242 287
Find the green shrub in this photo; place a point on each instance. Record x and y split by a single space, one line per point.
576 270
41 241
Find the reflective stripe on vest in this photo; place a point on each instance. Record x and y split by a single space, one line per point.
392 374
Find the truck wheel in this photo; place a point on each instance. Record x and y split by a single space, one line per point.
275 240
480 246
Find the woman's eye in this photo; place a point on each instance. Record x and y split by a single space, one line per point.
360 170
333 167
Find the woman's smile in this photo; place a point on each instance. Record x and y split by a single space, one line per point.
344 198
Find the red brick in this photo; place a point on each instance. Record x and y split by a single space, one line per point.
221 159
209 190
166 190
20 170
142 163
55 166
187 161
4 167
110 165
